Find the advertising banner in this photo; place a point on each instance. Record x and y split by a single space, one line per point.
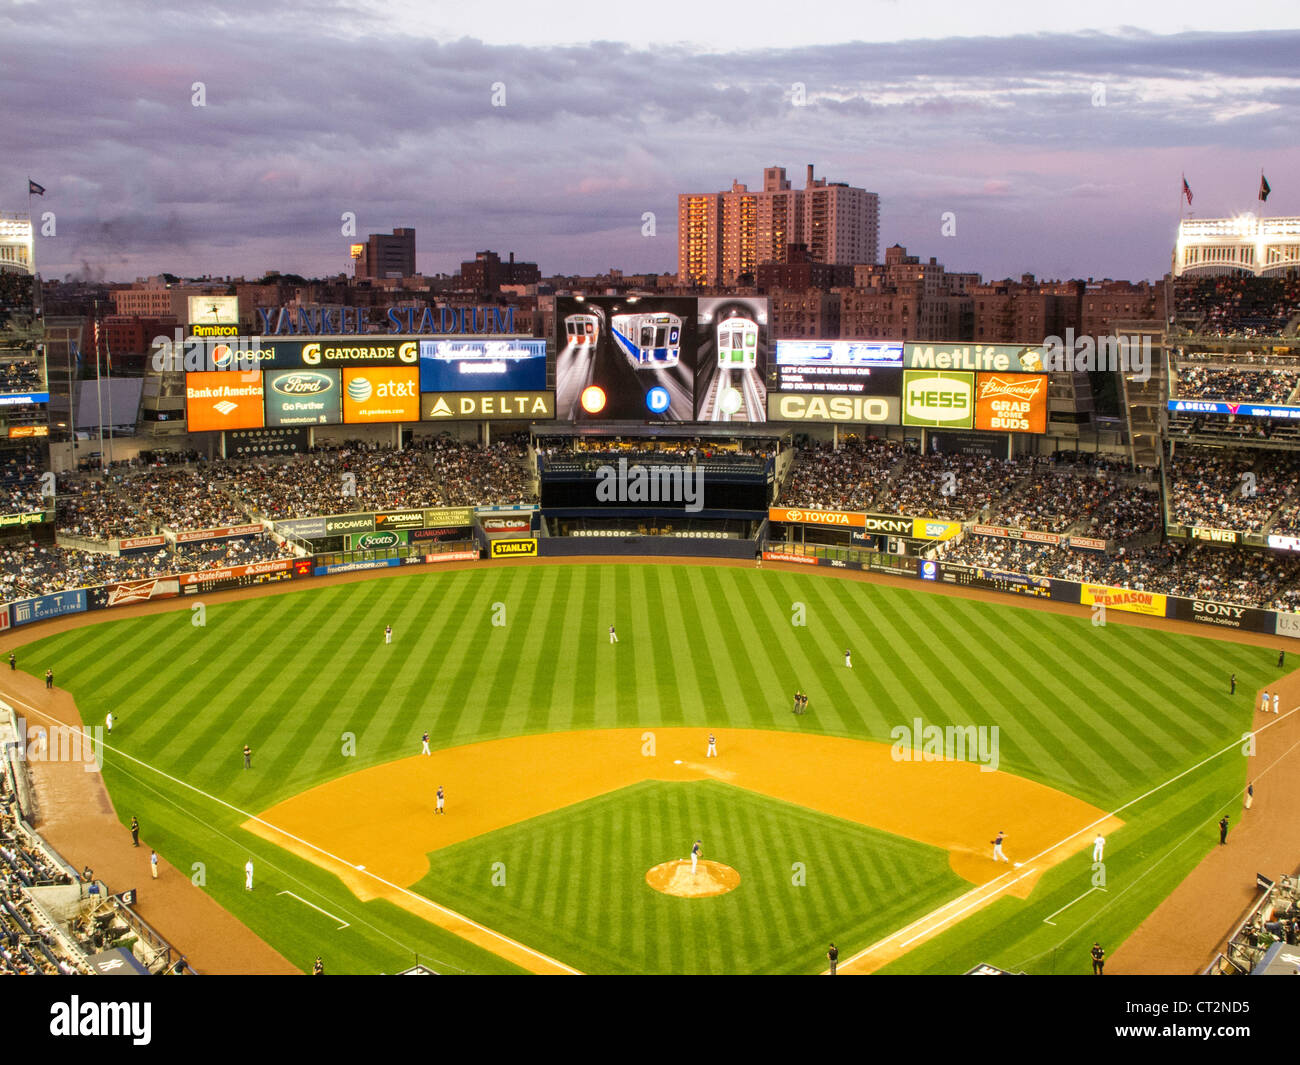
508 525
1011 402
732 359
140 543
265 442
33 517
1283 543
220 401
441 532
1224 615
513 548
934 529
377 541
459 365
125 593
1127 599
1215 536
337 524
853 410
459 516
399 519
229 532
1246 410
351 567
303 397
215 580
44 607
1287 624
835 518
452 556
781 556
992 358
941 399
478 406
378 394
307 528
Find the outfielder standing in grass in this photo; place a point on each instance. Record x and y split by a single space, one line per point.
695 856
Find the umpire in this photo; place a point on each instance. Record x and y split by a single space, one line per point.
1098 959
834 955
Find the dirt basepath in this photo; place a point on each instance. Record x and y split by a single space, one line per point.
1219 898
76 816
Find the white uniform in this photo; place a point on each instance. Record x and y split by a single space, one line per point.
1098 845
248 875
613 636
1275 703
713 747
424 744
108 721
388 634
998 856
848 661
695 857
440 800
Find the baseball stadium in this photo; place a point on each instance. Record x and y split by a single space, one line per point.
670 644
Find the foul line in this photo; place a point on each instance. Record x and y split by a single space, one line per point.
514 944
1048 918
331 916
934 914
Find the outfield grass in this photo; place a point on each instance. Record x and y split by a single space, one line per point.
1103 713
574 882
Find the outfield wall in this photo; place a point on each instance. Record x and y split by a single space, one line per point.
1128 600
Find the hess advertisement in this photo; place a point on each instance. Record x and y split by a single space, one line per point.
219 401
939 399
381 394
625 358
303 397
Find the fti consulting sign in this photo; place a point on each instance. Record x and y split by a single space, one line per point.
939 399
303 397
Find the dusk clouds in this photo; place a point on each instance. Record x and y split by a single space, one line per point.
1061 153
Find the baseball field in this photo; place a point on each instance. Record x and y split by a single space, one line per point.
574 767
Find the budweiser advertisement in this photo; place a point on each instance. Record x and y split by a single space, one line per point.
1011 402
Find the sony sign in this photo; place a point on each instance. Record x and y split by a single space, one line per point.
860 410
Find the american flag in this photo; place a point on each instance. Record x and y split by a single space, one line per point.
1264 190
1187 191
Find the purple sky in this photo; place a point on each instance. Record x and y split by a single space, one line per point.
325 109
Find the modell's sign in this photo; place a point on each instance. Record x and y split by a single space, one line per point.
839 518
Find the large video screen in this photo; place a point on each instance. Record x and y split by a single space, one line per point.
625 358
838 367
732 357
448 365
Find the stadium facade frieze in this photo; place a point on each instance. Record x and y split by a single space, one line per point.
338 320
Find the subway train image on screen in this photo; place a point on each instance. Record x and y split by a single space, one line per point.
649 340
737 344
582 330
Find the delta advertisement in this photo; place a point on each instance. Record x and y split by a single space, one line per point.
218 401
1244 410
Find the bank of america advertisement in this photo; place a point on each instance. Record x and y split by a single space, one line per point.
303 397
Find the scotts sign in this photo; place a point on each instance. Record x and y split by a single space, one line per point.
940 399
375 541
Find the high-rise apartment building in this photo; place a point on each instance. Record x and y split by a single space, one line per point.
722 237
387 256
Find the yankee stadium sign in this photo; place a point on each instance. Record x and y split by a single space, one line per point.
327 321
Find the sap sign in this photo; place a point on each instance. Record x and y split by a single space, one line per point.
327 321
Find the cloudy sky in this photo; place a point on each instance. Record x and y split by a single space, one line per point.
231 138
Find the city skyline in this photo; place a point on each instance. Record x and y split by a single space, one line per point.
1058 153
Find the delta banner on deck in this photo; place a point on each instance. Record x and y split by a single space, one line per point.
1128 599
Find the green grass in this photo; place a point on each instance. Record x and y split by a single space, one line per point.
1103 713
574 882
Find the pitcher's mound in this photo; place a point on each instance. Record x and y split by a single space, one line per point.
676 878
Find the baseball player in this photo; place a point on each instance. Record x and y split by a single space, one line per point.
1264 704
248 757
695 856
318 967
108 723
998 856
613 636
153 864
1275 701
424 743
388 634
848 659
713 747
135 832
440 799
834 955
248 875
1232 684
1098 845
49 679
13 662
